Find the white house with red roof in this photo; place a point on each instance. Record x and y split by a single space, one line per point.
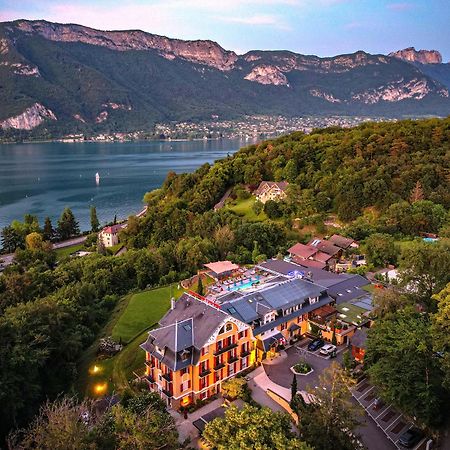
110 235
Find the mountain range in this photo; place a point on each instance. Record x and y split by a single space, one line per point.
57 79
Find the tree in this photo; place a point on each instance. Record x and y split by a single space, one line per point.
94 219
333 337
234 387
294 388
290 171
224 239
257 207
252 428
330 421
200 286
11 239
48 231
425 269
388 301
58 426
34 241
417 192
272 209
67 225
402 365
441 331
381 249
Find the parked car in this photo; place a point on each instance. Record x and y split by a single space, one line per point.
328 350
411 437
315 345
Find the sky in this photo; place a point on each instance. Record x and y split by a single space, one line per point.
319 27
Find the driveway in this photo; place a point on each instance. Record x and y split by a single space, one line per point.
278 371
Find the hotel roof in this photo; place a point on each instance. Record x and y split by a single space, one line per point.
222 267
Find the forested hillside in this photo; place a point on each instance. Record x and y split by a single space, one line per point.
382 181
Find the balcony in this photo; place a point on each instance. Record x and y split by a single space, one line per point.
232 359
166 393
245 353
204 373
168 377
225 349
219 366
149 379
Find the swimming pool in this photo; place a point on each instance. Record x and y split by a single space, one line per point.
428 239
240 285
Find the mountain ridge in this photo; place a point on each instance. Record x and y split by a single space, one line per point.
75 73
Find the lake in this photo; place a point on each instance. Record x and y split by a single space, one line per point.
44 178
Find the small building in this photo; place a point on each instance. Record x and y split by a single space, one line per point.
221 269
358 343
302 251
110 235
271 190
343 242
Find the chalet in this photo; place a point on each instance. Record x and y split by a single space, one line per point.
302 251
195 349
110 235
271 190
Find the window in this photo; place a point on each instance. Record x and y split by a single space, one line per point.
203 382
283 326
242 334
229 327
184 371
232 310
187 327
203 395
185 385
231 370
244 363
205 351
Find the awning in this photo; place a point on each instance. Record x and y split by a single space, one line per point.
293 327
267 343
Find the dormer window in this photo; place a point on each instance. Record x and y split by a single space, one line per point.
184 355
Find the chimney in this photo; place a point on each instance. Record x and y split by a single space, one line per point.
172 303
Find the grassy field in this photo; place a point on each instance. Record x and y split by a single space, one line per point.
131 319
66 251
143 310
244 208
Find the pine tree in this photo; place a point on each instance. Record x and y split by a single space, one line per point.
417 192
94 219
200 286
333 338
67 225
293 388
48 231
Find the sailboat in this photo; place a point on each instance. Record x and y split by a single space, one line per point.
97 178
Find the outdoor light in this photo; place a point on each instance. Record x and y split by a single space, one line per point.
95 369
100 388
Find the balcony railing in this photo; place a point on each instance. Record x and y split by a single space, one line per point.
166 393
219 366
204 373
232 359
168 377
149 378
225 349
245 353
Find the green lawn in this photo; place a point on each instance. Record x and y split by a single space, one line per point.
143 310
131 319
244 208
66 251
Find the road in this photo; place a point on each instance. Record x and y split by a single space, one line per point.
9 258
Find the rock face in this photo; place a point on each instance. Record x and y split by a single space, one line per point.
205 52
267 75
421 56
22 69
29 119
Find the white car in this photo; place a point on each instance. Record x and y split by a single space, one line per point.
327 349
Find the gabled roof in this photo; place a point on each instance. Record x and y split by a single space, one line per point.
302 250
322 257
113 229
348 289
309 263
266 185
341 241
324 246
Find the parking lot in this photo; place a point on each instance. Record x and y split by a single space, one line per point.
392 423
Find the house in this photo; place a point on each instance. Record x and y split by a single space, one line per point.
358 344
326 247
110 235
343 242
302 251
195 349
271 190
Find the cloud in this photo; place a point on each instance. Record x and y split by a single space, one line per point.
353 25
261 19
405 6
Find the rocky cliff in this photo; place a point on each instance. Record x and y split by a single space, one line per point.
31 118
97 81
420 56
